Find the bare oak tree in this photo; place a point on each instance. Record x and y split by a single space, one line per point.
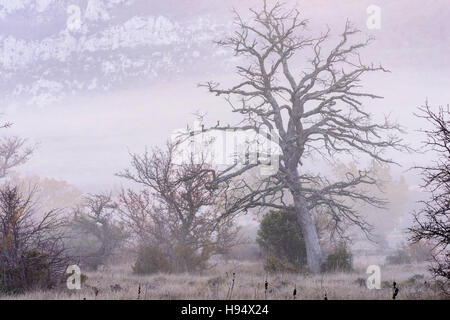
315 110
432 223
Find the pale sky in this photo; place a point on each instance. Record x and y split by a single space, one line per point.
124 76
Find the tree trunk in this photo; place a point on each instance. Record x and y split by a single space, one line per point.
309 231
307 225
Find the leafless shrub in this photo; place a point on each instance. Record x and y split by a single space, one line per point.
99 234
32 254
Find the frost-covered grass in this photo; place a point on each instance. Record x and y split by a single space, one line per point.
118 282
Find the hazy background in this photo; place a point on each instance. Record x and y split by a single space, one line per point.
127 77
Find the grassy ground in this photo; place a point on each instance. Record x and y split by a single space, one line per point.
118 282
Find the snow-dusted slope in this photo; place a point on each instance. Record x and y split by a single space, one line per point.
99 46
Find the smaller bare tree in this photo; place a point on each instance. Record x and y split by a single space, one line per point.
176 210
95 219
433 221
32 253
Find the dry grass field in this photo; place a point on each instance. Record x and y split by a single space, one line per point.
118 282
